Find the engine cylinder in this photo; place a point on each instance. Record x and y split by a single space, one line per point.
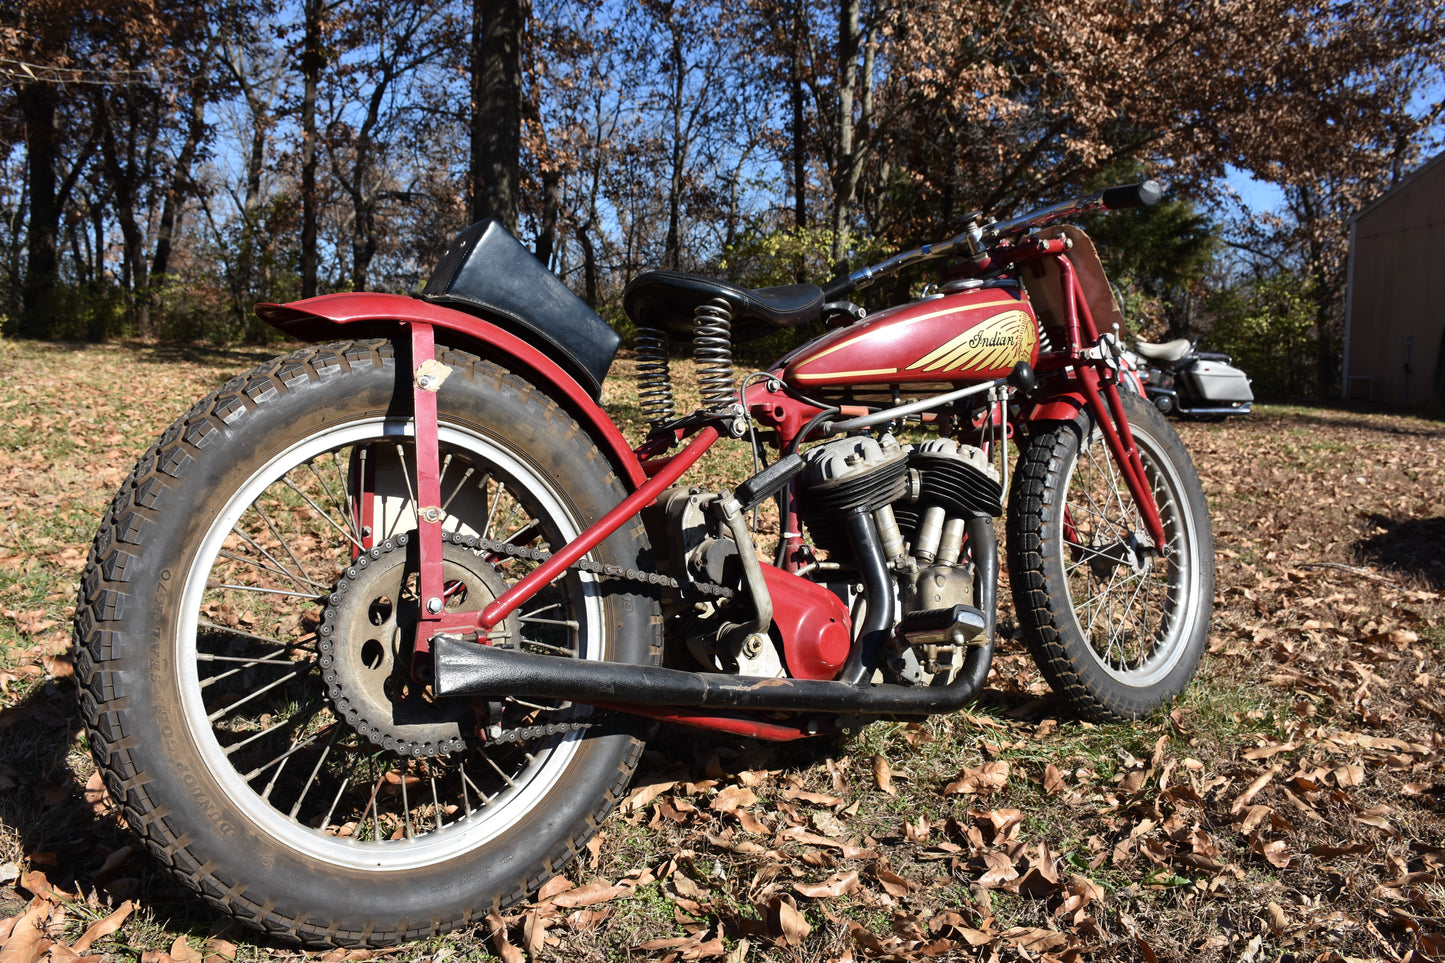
957 477
853 476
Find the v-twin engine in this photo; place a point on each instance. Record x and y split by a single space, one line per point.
915 507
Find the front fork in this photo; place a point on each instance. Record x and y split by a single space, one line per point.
1102 397
1121 444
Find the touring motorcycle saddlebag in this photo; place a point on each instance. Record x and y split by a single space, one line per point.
1217 381
485 270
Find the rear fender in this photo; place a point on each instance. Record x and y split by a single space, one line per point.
364 314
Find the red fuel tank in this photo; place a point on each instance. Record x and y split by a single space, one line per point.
969 336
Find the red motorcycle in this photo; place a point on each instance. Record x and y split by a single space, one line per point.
368 636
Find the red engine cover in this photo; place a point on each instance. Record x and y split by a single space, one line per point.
968 336
817 632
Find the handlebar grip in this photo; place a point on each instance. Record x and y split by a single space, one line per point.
1145 194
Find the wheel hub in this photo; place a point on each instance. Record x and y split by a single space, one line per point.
368 633
1131 552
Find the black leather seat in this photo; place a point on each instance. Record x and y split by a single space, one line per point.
667 299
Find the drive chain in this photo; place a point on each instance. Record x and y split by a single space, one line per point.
584 565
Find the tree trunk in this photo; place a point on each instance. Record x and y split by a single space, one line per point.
244 290
845 173
551 208
127 174
180 180
800 155
671 253
589 264
312 60
42 274
498 31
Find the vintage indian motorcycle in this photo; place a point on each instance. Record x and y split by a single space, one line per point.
368 636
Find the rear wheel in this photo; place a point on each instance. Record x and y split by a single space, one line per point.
1116 624
246 621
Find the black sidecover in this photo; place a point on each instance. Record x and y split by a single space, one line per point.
487 271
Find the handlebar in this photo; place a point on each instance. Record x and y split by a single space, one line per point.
976 237
1143 194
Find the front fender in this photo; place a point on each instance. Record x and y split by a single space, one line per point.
334 316
1061 406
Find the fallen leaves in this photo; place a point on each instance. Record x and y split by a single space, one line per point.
102 928
883 775
1286 806
36 934
988 778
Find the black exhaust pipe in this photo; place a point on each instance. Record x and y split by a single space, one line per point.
469 669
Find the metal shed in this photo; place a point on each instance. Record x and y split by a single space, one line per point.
1394 315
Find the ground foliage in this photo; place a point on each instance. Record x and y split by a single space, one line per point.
1289 807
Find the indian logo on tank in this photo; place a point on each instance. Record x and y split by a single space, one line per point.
1000 342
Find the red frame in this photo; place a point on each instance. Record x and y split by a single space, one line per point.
1073 379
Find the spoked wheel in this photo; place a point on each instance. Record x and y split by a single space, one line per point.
1117 624
247 621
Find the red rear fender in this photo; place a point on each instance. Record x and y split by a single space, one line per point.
335 316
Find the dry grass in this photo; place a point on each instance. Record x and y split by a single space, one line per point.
1288 808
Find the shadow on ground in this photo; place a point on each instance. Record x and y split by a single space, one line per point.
53 824
1413 547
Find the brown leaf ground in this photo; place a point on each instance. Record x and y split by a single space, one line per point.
1289 807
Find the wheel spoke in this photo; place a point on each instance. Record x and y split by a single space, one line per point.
285 543
295 747
275 568
227 586
300 670
492 511
335 731
342 506
410 493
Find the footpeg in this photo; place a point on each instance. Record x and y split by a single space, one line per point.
958 625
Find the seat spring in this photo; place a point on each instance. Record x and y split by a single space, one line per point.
654 379
712 350
1045 344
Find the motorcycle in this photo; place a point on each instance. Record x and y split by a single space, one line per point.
369 638
1181 380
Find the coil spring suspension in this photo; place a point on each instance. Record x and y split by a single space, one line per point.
1045 343
654 380
712 350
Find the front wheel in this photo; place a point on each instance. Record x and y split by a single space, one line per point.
245 626
1116 624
